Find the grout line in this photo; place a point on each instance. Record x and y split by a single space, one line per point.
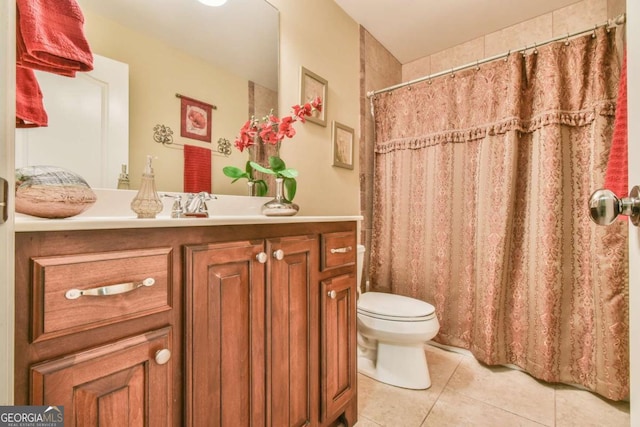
466 353
555 405
445 385
361 417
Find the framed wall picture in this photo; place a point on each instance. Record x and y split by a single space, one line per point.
342 145
311 87
195 119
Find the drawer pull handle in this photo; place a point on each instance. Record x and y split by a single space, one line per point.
109 290
341 250
332 294
279 254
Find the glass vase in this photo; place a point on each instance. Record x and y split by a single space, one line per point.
279 206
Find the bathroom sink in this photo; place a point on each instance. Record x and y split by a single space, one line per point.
116 203
113 210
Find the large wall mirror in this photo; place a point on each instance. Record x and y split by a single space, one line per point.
226 56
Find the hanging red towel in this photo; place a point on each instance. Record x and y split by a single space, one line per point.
29 107
616 177
197 169
50 37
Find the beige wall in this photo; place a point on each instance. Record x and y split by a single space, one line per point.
157 72
334 55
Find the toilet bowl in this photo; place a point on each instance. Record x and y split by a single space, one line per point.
392 331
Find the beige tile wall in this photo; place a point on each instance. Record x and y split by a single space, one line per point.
379 69
576 17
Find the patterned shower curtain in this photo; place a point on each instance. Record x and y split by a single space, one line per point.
481 185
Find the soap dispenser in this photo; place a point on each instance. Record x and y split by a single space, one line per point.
147 203
123 179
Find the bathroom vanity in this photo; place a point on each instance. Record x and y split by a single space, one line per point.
225 321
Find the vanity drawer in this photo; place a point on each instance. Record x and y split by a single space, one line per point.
75 293
338 250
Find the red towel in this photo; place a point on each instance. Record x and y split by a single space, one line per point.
50 37
29 108
616 177
197 169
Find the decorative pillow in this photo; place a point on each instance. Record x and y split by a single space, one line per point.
51 192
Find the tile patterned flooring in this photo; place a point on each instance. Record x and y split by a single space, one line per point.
466 393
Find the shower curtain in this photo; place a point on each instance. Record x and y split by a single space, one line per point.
481 185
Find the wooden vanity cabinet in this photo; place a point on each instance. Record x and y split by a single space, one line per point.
238 329
252 317
108 359
338 360
119 384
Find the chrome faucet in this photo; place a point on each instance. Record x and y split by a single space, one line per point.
194 206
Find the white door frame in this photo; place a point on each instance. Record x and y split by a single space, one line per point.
7 168
633 75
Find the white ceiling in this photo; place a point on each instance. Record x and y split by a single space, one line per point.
412 29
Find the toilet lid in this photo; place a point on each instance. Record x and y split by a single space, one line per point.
394 307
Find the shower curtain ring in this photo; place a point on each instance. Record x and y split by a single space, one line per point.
477 65
535 49
506 58
595 27
566 41
524 51
452 74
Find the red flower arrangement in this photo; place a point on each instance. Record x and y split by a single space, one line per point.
273 131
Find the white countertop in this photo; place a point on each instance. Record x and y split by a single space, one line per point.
112 211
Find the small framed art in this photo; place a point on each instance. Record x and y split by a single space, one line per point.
342 145
195 119
311 87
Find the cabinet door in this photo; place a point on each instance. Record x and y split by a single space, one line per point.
127 383
338 341
292 316
225 335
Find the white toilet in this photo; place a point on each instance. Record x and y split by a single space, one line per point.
392 331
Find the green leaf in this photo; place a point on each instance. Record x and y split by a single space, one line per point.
261 187
248 169
262 169
234 172
276 164
288 173
290 186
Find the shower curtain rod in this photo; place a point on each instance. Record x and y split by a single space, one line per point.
618 20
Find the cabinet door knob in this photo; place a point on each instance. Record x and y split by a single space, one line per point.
261 257
332 294
279 254
163 356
